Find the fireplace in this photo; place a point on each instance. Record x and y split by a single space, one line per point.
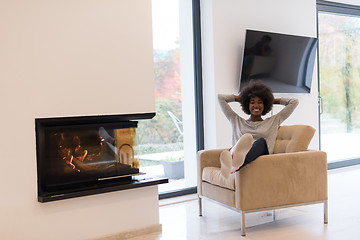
85 154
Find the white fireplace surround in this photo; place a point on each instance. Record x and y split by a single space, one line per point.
61 59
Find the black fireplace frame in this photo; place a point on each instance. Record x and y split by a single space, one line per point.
93 187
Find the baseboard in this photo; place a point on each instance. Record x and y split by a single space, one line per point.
133 233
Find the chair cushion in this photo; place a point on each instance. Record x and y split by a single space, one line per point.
295 138
213 175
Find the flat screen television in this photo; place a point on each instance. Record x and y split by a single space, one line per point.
283 62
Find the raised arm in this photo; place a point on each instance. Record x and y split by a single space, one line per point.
290 105
224 100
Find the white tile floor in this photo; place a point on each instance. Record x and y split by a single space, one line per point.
181 220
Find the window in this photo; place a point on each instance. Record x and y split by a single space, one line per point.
339 81
166 145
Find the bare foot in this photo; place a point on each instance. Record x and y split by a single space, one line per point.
240 150
226 161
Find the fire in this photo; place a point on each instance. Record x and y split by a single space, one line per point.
91 150
74 154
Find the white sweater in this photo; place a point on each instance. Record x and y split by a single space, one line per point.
266 129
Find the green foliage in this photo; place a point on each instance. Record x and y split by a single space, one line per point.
339 68
157 148
336 101
161 129
173 158
154 134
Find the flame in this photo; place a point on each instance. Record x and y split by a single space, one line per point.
75 151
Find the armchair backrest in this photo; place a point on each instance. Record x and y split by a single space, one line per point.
294 138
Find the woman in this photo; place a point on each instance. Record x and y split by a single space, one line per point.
254 136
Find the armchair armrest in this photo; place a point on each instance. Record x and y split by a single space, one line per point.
282 179
207 158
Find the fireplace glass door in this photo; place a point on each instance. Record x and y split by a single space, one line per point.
73 155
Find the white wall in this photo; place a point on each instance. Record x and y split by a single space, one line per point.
94 54
70 58
223 27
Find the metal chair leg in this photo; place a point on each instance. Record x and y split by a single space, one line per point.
200 206
326 212
273 215
243 223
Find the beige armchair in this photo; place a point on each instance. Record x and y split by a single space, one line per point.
292 176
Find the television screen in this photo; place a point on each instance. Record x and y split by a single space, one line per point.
283 62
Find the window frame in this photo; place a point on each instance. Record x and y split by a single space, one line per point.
198 91
343 9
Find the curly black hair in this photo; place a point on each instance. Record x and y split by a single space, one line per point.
256 89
